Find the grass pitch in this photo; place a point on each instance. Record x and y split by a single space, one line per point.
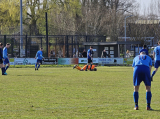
64 93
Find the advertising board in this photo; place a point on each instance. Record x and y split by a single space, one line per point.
24 61
67 61
110 61
128 60
84 60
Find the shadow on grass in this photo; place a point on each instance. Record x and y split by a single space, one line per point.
114 71
154 110
31 75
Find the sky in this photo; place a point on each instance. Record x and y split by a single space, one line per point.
145 6
144 2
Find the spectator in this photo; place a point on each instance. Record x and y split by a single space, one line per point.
60 54
52 53
77 53
104 54
74 56
128 54
84 54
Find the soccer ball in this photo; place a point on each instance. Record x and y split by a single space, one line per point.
95 69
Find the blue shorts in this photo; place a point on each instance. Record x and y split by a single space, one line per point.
157 64
6 61
39 61
141 73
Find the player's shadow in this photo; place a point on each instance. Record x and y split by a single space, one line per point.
32 75
155 110
113 71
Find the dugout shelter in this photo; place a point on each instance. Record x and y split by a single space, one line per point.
112 48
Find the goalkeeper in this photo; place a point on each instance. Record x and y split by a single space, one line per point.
84 68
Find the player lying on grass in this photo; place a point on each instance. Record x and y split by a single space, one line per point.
84 68
142 65
1 59
39 58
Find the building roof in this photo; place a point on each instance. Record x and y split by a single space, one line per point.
147 22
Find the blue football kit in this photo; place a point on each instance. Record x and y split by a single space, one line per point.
157 56
89 52
6 60
142 60
39 55
5 56
156 59
89 58
39 59
144 50
141 64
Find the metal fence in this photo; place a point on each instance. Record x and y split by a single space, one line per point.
58 45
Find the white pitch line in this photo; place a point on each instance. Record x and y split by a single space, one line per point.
72 107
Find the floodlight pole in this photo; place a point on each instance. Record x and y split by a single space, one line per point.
46 33
125 30
21 29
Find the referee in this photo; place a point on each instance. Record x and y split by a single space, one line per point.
90 58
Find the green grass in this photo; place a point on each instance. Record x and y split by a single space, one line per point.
64 93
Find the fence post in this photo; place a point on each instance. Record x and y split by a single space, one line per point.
14 62
4 40
26 47
12 44
67 46
41 41
46 33
86 38
72 46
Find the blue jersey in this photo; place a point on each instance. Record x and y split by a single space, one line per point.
39 55
144 50
142 60
1 53
89 52
157 53
5 55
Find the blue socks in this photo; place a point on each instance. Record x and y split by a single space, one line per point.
86 67
7 67
148 98
91 67
136 96
3 70
36 65
153 73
